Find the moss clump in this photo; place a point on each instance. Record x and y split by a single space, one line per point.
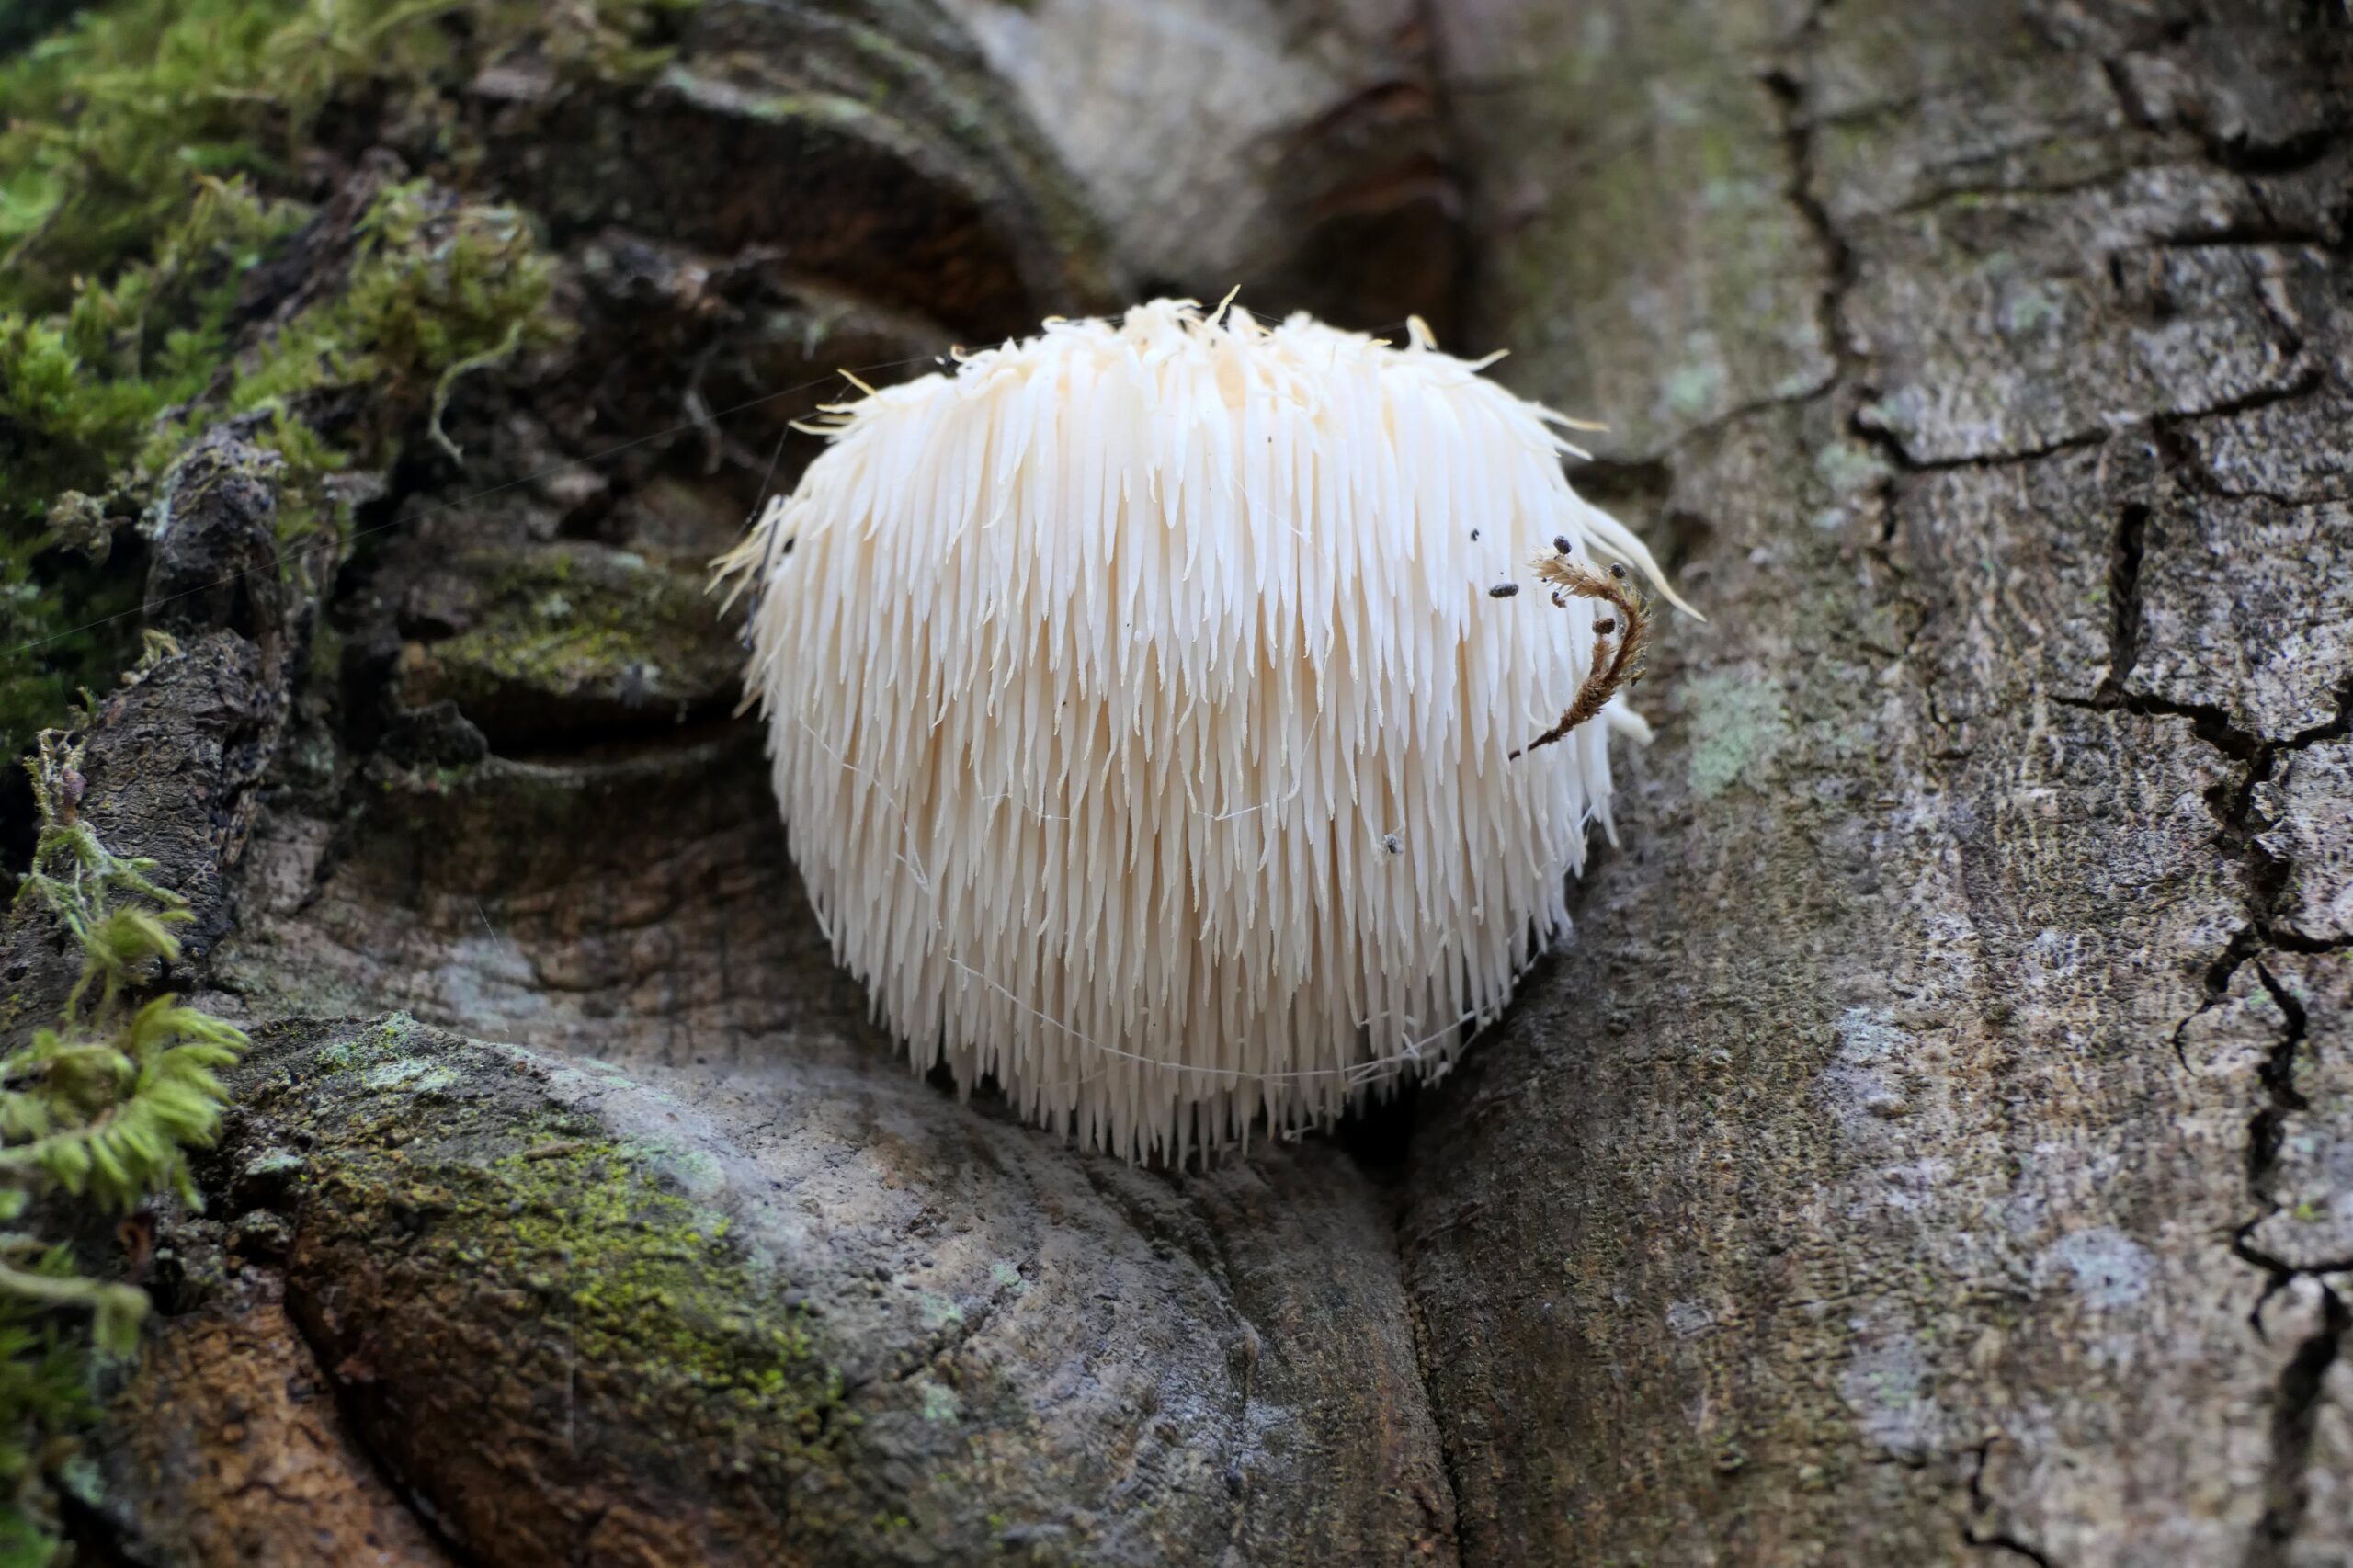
79 391
651 1282
439 287
112 118
576 634
103 396
97 1117
80 387
457 1202
146 170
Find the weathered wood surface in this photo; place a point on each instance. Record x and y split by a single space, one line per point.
1932 1145
687 1267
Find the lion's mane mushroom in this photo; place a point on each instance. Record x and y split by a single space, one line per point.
1142 699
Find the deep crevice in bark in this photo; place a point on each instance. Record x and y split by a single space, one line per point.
2211 724
1979 1503
2125 596
1450 1463
2278 1077
2295 1416
346 1394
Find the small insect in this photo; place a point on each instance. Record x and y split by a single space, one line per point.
1503 590
1615 664
1474 536
1391 843
1560 543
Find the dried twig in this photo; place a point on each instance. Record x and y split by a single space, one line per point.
1619 641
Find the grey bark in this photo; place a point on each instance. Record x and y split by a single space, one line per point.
1931 1148
1932 1145
684 1265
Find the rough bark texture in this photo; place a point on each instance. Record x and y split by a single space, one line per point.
808 1316
1933 1144
1928 1149
241 1456
687 1267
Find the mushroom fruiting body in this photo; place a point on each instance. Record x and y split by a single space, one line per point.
1142 696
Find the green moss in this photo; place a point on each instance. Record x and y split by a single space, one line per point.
144 176
97 1116
587 625
439 287
78 391
594 1242
112 116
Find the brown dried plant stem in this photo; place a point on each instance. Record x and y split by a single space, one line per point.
1619 640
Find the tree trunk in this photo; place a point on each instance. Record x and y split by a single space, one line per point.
1933 1144
1928 1145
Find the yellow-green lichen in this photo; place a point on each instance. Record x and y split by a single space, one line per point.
576 1233
1738 726
651 1281
597 627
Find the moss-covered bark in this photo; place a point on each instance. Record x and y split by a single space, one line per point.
805 1316
416 428
1930 1145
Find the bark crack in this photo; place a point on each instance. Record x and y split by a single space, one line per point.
2300 1386
2124 597
1797 139
1448 1464
2278 1077
2294 1417
1841 268
1981 1505
2211 724
2300 1390
318 1346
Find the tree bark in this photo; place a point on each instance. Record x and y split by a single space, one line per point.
1930 1147
1930 1144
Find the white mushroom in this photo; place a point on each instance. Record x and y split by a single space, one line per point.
1143 700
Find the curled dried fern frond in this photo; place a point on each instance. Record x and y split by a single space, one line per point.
1620 640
